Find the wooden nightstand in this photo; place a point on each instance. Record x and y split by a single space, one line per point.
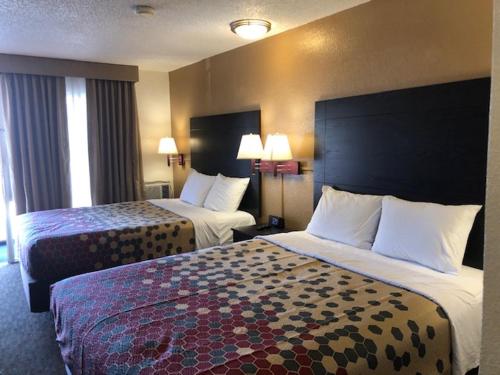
249 232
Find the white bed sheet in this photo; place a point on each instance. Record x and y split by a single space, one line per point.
459 295
211 228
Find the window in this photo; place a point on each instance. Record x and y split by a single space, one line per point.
7 204
76 104
76 108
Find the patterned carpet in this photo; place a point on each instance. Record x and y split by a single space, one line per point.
27 343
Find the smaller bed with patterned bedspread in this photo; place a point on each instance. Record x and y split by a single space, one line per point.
61 243
286 304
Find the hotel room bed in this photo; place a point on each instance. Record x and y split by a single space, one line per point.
61 243
296 303
289 303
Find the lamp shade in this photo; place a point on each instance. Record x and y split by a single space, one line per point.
167 146
277 148
250 147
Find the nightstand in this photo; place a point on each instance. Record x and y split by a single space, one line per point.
249 232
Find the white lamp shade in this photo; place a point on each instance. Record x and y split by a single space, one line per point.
167 146
250 147
277 148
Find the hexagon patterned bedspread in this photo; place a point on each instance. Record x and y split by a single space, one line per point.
60 243
249 308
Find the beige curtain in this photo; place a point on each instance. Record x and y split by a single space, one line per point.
38 141
114 142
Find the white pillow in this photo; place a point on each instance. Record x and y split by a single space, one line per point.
196 188
431 234
346 217
226 193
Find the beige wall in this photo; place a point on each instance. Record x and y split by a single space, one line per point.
381 45
153 103
490 352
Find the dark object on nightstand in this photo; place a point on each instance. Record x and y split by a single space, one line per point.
274 221
277 221
249 232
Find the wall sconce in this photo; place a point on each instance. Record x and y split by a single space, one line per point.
275 157
251 149
168 147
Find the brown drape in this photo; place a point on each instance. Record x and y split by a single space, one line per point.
114 142
38 137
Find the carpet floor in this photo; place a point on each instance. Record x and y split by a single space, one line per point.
27 340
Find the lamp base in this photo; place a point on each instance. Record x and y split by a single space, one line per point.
181 159
283 167
172 158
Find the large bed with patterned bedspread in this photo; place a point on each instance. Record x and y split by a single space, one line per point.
286 304
57 244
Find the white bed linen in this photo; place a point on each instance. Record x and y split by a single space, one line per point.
459 295
211 228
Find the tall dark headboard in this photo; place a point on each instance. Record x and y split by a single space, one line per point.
421 144
214 145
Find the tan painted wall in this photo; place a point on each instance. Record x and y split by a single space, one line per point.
153 104
490 352
381 45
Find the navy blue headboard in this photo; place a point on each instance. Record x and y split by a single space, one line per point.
422 144
214 145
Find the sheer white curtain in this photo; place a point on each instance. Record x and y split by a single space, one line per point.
8 205
76 103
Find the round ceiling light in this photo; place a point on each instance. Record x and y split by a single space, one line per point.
250 28
144 10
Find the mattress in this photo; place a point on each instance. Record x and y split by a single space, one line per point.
253 307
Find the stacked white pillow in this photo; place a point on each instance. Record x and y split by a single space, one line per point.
196 188
346 217
430 234
226 193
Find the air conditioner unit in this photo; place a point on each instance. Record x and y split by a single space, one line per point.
157 190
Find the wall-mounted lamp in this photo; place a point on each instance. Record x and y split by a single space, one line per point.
277 148
168 147
251 149
275 157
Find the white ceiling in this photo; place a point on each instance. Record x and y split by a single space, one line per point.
181 32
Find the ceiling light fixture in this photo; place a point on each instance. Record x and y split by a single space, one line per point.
250 28
144 10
